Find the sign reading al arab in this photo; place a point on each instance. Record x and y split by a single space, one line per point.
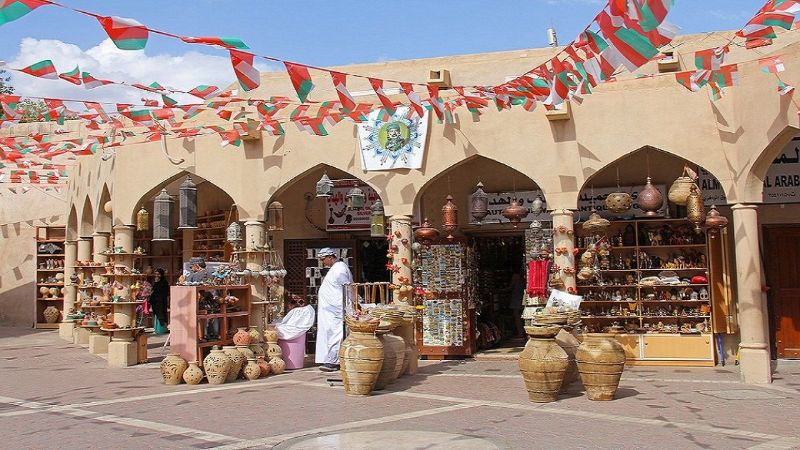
393 142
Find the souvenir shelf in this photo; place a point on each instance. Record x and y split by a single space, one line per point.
446 321
651 286
164 254
123 284
209 237
89 284
49 275
195 309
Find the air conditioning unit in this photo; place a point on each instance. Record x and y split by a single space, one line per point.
440 78
668 63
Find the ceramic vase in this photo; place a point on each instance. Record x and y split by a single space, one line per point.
50 314
257 350
601 360
263 365
394 352
237 362
193 374
172 368
242 337
270 334
217 365
277 365
255 336
245 350
274 350
251 370
543 364
361 358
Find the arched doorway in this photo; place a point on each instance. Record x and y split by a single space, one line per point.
482 287
86 227
103 222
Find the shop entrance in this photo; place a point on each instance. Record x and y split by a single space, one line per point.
500 289
782 243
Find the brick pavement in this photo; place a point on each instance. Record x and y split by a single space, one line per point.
55 393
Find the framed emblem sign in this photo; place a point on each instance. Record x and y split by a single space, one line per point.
394 141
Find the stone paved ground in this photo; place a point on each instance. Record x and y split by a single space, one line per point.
54 394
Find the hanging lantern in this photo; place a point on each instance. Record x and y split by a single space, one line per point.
679 191
426 234
537 206
480 205
715 221
275 216
142 220
619 202
162 217
536 226
188 204
515 213
324 186
377 221
450 217
355 199
695 210
234 234
650 199
596 224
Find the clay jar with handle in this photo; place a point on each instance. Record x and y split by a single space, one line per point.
251 370
242 337
601 360
193 374
237 362
172 368
217 365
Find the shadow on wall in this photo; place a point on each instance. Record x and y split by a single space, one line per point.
17 304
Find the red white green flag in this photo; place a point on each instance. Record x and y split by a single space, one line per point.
42 69
413 98
11 10
377 86
301 80
205 91
127 34
693 80
711 58
248 76
630 48
767 19
771 64
784 89
436 102
73 76
225 42
90 82
340 83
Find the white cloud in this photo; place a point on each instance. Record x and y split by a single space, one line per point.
183 71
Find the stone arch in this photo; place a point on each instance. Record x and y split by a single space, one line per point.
103 221
72 224
321 168
754 177
86 227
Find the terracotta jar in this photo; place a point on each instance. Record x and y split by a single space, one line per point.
237 362
217 365
569 344
245 350
361 358
601 360
257 350
270 334
251 370
255 336
394 352
263 365
274 350
242 337
193 374
277 365
172 368
543 364
51 314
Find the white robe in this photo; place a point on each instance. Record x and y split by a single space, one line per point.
295 323
329 313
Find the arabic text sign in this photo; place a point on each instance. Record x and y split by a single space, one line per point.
338 217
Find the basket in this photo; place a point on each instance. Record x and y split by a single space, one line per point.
680 189
361 326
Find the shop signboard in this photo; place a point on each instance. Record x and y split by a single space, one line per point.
393 142
781 185
338 217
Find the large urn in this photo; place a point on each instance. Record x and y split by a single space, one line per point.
394 352
217 365
569 344
172 368
601 360
543 364
361 358
237 362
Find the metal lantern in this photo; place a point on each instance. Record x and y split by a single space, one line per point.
715 221
355 199
162 216
537 206
480 204
187 195
377 221
695 210
515 212
142 220
234 234
449 217
324 186
275 216
650 199
426 234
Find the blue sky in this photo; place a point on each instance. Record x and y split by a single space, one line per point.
317 32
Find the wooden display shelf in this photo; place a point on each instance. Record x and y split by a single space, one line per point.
218 315
50 270
681 317
49 255
50 284
671 285
208 251
44 241
212 216
112 330
121 303
685 269
94 307
123 254
611 317
670 246
673 301
50 299
209 239
609 286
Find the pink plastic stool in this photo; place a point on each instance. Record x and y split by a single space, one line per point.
294 351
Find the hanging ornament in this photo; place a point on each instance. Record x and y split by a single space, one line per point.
142 220
480 205
536 226
275 216
324 186
377 221
680 189
650 199
449 217
162 216
695 210
187 195
596 224
426 233
715 221
234 234
619 202
515 213
537 206
355 199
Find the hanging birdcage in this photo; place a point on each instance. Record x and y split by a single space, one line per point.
162 216
187 195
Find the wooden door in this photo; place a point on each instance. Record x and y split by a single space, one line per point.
782 261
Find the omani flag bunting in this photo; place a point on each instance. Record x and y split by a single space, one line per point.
127 34
11 10
301 80
42 69
248 76
73 76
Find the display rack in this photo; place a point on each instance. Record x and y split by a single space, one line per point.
188 321
49 274
125 281
209 237
651 287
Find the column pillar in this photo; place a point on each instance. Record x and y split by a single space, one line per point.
84 253
66 328
564 240
99 245
400 246
255 238
754 358
122 350
98 340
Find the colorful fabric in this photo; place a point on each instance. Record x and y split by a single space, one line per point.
42 69
340 83
435 101
127 34
73 76
225 42
693 80
784 89
11 10
538 274
248 76
301 80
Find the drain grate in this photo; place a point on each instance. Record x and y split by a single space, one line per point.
742 394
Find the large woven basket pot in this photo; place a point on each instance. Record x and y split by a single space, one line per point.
601 360
361 358
569 344
394 353
679 191
543 364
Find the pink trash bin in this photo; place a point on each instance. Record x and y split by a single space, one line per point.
294 351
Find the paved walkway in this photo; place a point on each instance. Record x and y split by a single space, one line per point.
55 394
